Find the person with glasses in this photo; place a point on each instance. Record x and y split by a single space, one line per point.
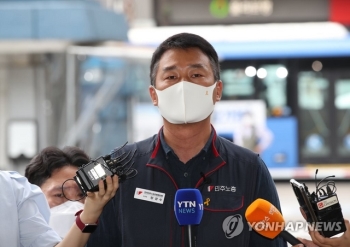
53 169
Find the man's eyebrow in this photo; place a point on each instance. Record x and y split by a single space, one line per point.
195 66
57 188
169 68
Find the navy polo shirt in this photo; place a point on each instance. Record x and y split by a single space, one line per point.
187 175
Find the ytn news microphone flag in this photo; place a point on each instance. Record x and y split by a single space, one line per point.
188 206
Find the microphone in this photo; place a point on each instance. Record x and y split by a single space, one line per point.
188 206
267 220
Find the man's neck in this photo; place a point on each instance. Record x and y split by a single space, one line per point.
187 140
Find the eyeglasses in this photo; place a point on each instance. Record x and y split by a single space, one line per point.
71 191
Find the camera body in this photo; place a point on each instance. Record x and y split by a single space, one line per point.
322 211
89 175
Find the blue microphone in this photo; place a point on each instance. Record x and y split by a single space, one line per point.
188 206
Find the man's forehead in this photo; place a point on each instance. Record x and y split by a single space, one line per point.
195 59
182 51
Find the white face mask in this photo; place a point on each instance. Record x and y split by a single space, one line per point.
186 102
63 216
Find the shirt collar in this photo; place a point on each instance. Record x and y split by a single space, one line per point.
167 149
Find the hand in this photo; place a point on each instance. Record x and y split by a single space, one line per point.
307 243
95 201
342 241
319 241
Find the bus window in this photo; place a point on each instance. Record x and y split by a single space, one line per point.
266 82
237 84
342 105
314 115
273 78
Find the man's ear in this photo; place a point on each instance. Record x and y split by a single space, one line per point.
153 94
218 91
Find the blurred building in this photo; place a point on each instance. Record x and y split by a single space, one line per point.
34 39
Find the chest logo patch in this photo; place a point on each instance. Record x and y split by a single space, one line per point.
149 195
232 226
221 188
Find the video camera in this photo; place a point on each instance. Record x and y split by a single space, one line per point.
90 174
322 208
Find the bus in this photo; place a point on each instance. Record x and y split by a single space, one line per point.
298 72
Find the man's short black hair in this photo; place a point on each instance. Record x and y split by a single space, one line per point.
185 41
41 167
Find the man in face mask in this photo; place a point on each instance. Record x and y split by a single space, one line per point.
186 153
53 170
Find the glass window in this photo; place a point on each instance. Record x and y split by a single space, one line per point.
108 87
312 91
342 94
314 115
342 105
236 83
267 82
274 82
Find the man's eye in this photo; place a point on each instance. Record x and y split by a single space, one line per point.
196 75
59 195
